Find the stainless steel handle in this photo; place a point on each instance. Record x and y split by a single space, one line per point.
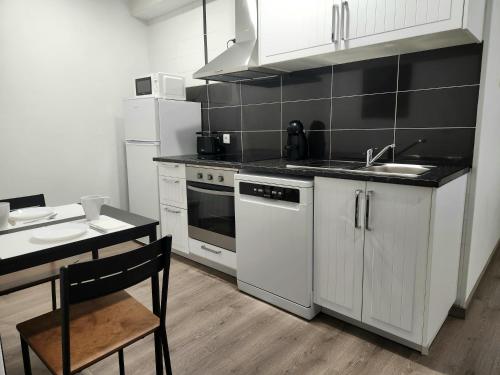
211 250
213 192
335 28
170 180
369 197
172 211
344 20
356 209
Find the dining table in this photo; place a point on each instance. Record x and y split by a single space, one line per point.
20 249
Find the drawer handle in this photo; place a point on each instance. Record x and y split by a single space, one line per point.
172 211
211 250
170 180
368 212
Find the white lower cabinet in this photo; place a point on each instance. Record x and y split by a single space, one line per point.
214 254
174 222
380 250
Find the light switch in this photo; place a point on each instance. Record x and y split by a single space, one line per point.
226 139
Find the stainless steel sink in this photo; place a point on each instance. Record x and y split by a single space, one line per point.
393 169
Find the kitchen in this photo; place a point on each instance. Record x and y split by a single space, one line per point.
331 187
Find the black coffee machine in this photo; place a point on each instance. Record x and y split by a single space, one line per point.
296 145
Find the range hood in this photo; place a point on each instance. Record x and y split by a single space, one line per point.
240 61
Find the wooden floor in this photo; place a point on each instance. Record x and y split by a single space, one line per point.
215 329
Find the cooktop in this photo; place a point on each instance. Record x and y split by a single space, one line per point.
233 158
324 164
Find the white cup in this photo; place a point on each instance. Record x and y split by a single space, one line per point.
4 214
92 205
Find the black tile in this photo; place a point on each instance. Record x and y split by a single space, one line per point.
262 117
314 114
435 146
204 120
352 144
261 145
307 84
224 94
233 149
366 77
364 112
225 119
455 106
261 91
197 94
452 66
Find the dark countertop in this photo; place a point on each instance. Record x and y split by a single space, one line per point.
436 177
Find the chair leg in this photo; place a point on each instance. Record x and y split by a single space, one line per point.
166 353
158 357
121 361
53 292
26 357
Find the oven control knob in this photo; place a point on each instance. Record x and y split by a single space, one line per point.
220 178
199 176
210 177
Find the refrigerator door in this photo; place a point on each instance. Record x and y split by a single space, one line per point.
143 178
179 122
141 119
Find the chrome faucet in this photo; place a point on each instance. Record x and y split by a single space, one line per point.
370 159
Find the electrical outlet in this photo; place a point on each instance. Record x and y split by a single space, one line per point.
226 139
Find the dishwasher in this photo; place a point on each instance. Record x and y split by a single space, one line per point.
274 240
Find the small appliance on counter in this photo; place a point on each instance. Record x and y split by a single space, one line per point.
296 147
160 86
209 143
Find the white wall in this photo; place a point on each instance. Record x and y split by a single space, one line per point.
65 65
176 40
483 223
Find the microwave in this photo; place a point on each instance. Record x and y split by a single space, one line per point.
160 85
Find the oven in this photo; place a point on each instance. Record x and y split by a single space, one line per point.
210 199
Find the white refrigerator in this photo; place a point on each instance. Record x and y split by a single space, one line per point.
155 127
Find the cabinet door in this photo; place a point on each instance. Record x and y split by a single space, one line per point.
338 245
174 223
396 19
173 191
287 26
396 241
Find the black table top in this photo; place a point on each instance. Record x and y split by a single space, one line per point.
436 177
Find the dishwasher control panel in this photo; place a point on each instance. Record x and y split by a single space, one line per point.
271 192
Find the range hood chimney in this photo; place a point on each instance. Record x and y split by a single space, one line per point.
240 61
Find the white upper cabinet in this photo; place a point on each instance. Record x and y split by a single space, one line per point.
300 34
292 26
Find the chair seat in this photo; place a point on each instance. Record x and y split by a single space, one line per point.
98 328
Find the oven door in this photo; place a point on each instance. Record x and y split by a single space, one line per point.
211 214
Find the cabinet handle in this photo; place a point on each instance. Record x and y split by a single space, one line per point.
335 28
356 209
169 180
369 197
211 250
172 211
344 20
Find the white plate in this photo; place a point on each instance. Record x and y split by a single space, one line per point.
31 213
60 232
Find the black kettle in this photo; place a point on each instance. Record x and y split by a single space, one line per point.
296 145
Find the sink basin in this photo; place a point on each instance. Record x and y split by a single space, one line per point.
392 169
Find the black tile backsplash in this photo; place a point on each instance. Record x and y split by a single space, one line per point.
261 117
366 77
425 102
364 112
314 114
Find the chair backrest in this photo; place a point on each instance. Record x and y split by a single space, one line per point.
37 200
97 278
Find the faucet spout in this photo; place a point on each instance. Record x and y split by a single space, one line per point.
370 159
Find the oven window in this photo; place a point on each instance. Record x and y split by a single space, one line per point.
211 207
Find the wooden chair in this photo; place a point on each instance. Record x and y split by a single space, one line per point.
37 275
98 317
